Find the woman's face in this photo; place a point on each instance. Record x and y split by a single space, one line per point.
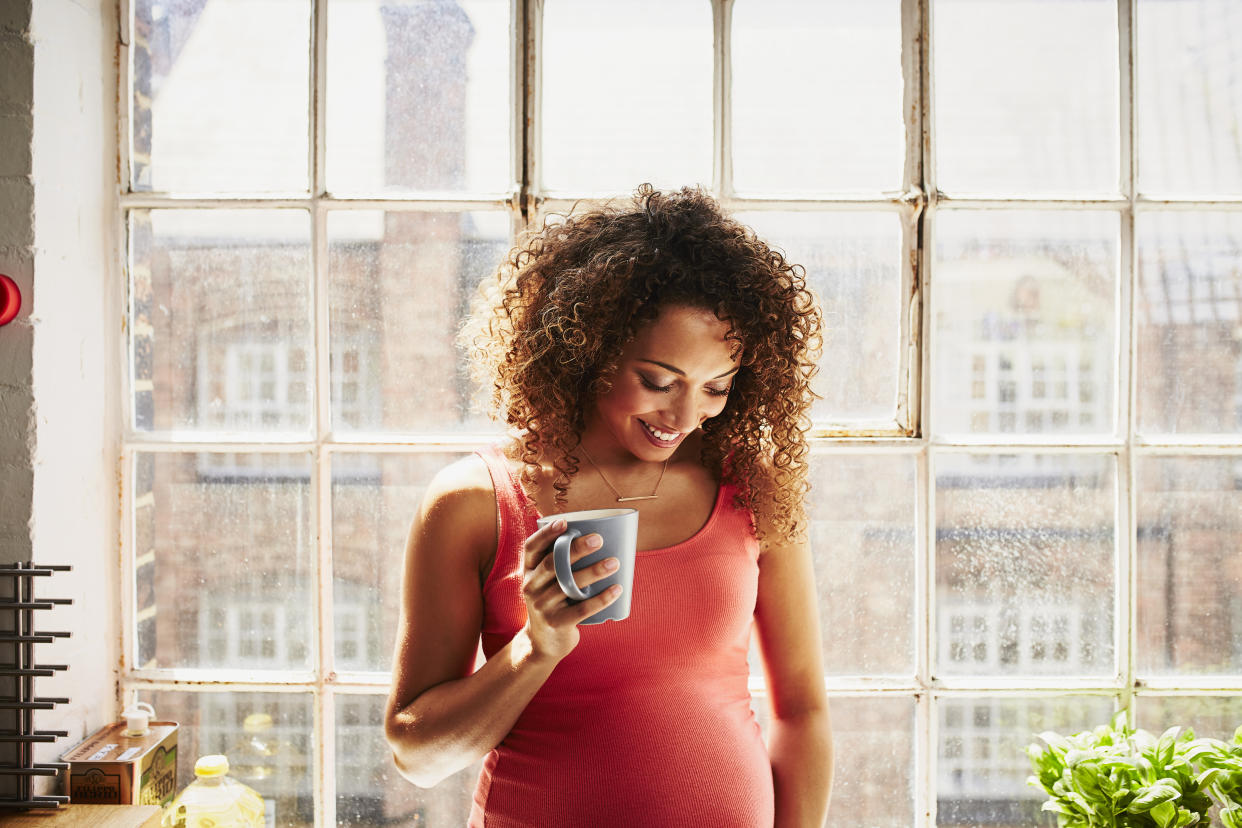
674 374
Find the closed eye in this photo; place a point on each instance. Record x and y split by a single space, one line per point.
651 386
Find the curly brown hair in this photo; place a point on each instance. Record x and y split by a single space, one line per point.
549 327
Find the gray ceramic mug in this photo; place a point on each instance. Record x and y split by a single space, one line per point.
619 529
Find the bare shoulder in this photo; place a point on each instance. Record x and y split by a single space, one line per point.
459 507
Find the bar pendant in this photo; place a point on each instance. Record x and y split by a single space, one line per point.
636 497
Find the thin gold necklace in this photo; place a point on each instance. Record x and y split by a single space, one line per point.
621 498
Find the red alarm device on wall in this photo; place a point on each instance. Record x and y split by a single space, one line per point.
10 299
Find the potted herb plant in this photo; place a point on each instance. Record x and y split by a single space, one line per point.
1118 777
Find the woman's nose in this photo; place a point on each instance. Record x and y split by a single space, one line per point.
683 414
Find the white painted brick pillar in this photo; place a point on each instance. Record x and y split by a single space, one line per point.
60 360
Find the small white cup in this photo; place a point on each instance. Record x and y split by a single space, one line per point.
138 718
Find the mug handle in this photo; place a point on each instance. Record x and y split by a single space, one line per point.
560 561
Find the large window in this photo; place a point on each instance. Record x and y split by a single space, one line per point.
1023 219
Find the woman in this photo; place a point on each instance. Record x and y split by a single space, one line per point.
658 355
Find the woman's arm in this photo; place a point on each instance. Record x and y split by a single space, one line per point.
442 716
800 738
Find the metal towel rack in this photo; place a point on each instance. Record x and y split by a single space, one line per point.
18 703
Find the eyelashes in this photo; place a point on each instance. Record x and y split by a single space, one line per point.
664 389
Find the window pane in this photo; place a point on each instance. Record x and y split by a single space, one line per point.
1025 557
369 789
418 96
864 551
1189 569
219 334
853 263
614 118
221 95
1025 322
846 136
266 736
1189 96
374 498
400 284
1216 717
1026 96
982 762
225 553
1189 341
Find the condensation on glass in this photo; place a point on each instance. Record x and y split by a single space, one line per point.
1026 552
400 285
1189 516
853 265
846 136
1026 99
1189 97
981 762
1210 716
864 550
626 94
1189 322
418 96
369 789
873 783
374 498
224 553
220 97
280 768
220 338
1025 318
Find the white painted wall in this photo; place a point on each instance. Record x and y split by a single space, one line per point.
77 322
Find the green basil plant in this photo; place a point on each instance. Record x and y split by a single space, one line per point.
1120 777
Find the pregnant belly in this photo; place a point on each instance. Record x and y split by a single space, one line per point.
682 762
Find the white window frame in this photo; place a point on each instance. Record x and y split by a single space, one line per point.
916 204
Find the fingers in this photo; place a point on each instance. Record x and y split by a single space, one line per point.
540 543
543 575
585 609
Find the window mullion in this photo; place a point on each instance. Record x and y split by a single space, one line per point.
528 126
722 128
1126 606
322 782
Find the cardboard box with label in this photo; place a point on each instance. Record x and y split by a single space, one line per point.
111 768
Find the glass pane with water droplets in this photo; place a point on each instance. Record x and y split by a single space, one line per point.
864 555
1026 550
626 95
1189 97
370 791
853 264
981 760
1026 96
874 788
374 499
1189 333
1025 318
267 737
219 334
224 554
399 285
418 96
849 136
1189 512
1209 716
221 96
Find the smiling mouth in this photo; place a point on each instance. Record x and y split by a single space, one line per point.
662 436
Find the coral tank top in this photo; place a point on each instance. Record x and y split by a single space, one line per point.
648 721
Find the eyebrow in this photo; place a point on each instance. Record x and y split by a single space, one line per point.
682 373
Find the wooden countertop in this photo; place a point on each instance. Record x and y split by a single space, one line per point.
86 816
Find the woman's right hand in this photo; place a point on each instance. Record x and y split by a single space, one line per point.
551 618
